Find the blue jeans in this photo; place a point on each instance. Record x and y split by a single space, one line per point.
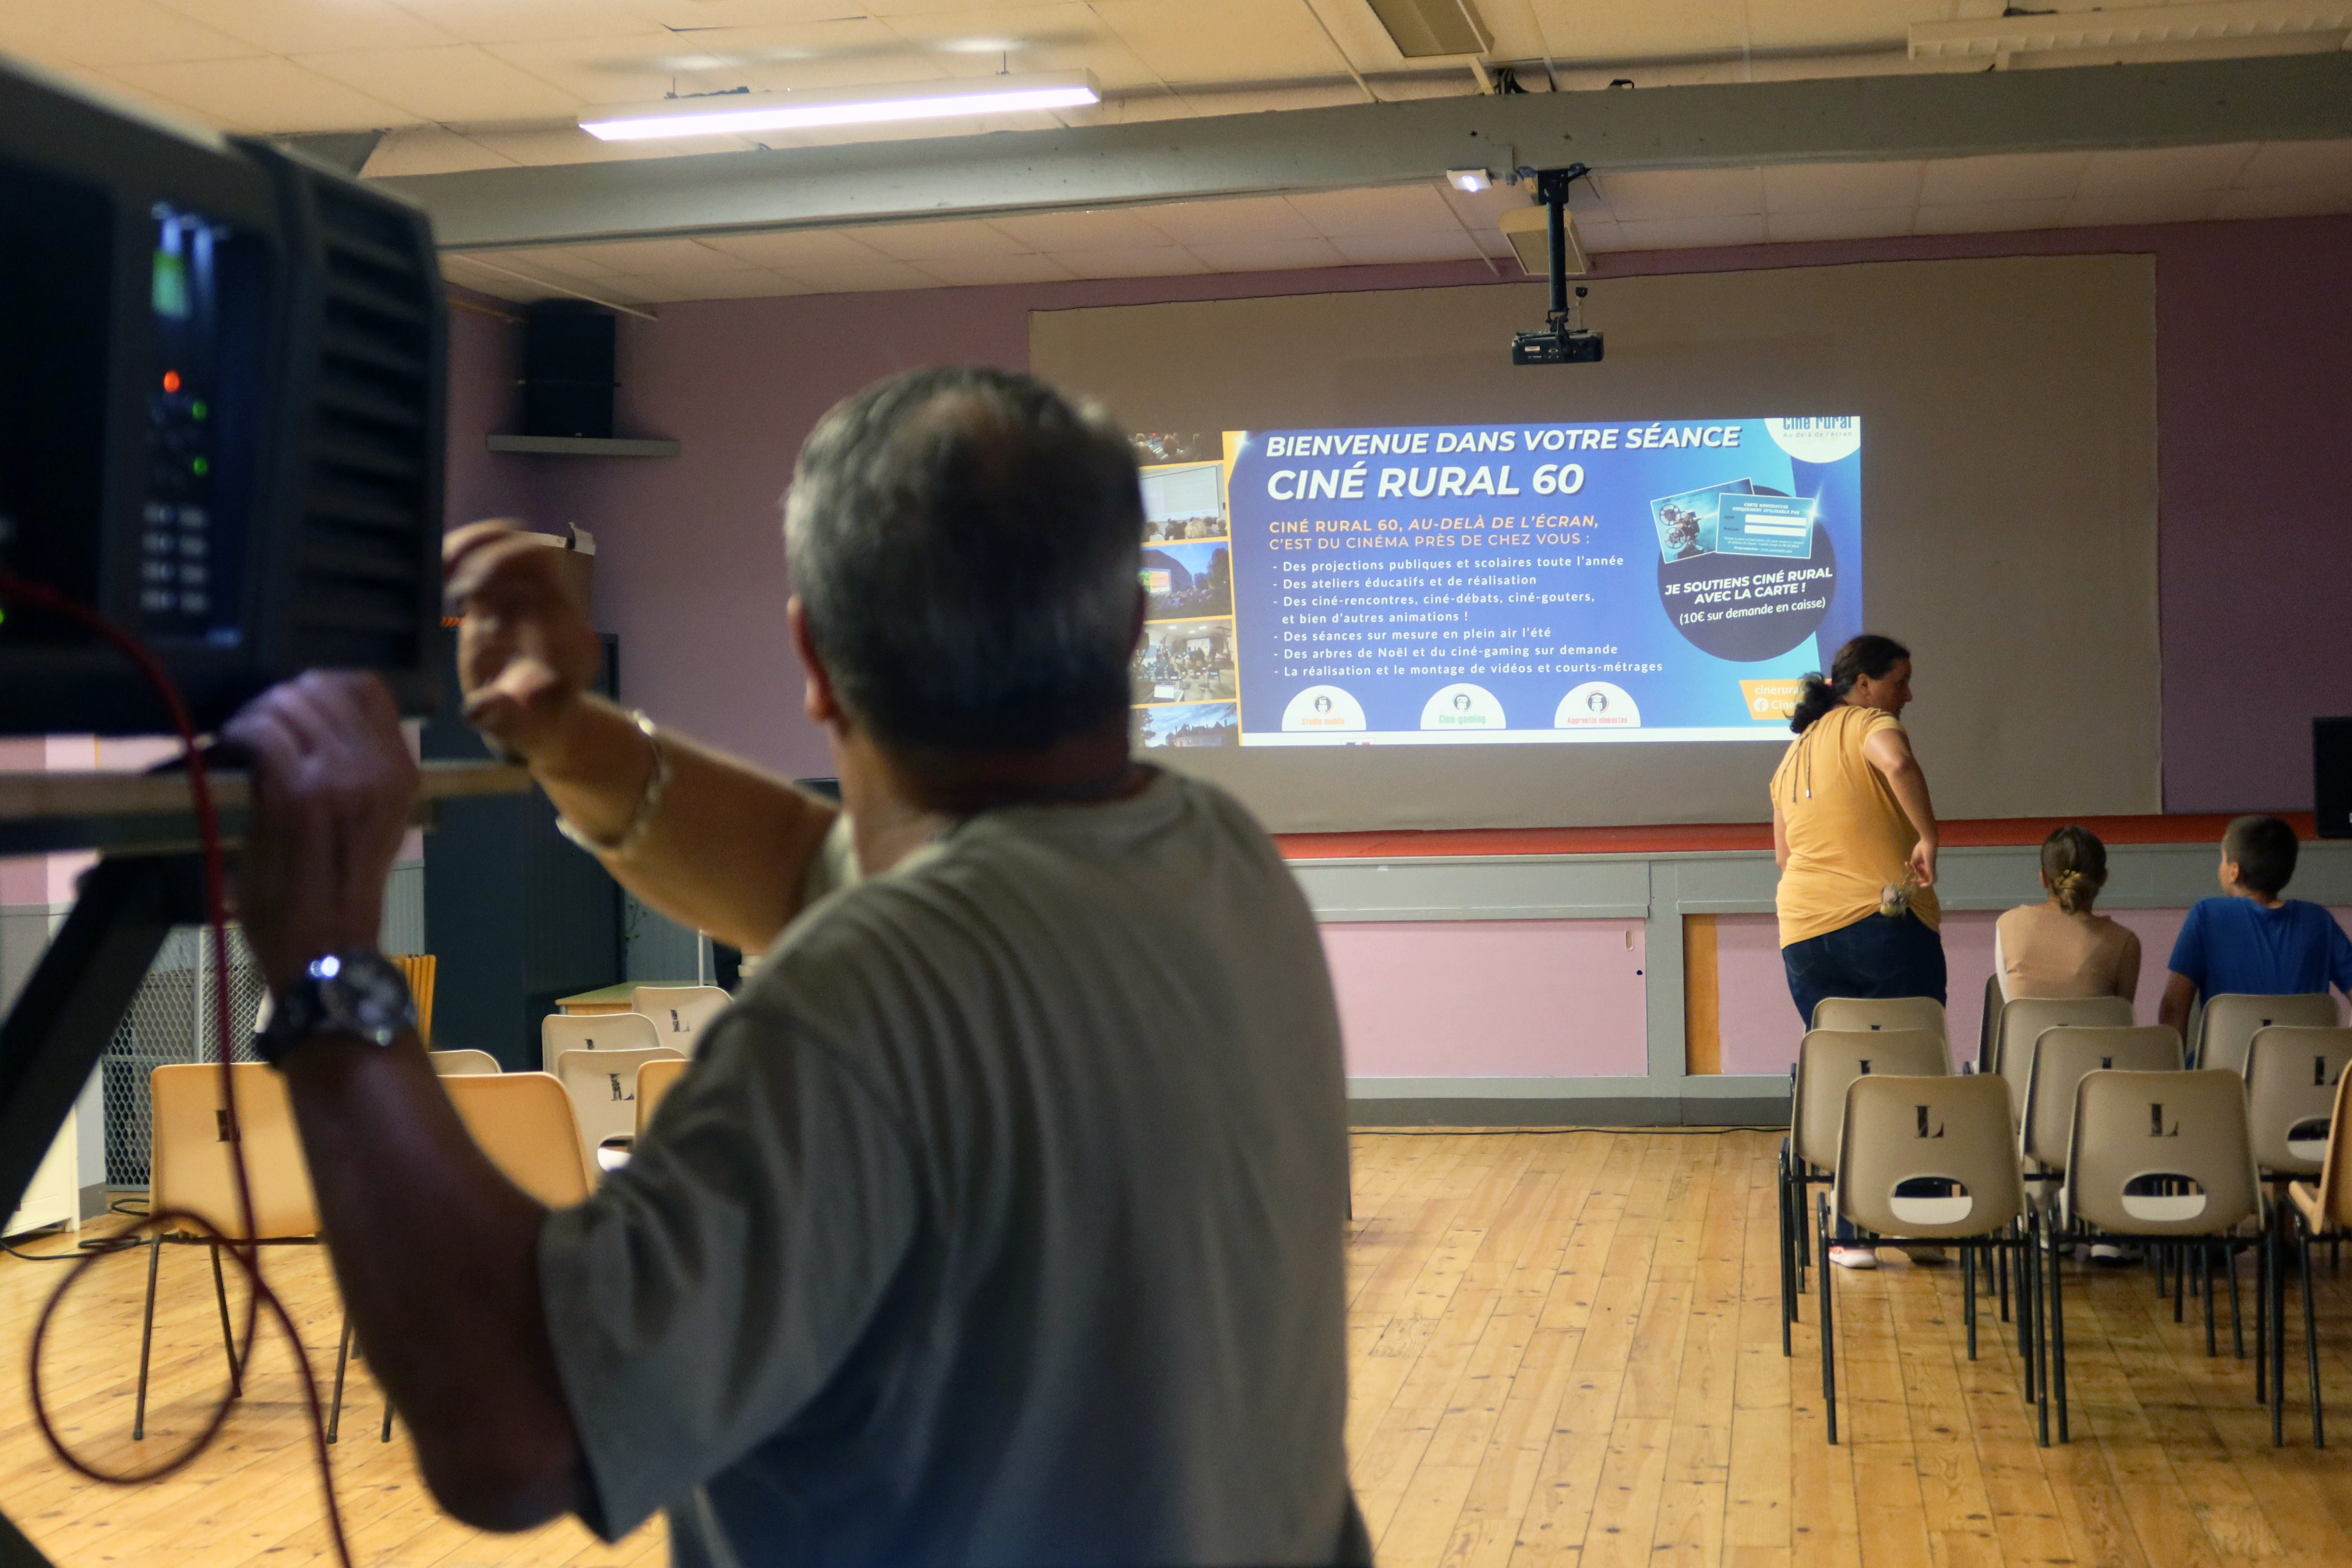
1877 956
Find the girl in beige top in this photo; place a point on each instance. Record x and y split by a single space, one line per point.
2058 947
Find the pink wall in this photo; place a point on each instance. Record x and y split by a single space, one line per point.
1490 998
2254 325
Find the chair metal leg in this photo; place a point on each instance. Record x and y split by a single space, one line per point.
2263 1315
2180 1286
1829 1333
387 1419
1969 1293
2267 1336
1788 1260
2311 1346
146 1340
342 1361
228 1336
2058 1337
2027 1297
2237 1326
2205 1283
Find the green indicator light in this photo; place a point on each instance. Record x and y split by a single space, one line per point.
200 466
198 409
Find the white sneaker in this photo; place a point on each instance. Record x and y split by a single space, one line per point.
1854 1257
2112 1255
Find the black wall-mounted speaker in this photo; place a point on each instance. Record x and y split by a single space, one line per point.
568 369
2331 776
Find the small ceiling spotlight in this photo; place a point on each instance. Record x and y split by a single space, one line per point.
1470 180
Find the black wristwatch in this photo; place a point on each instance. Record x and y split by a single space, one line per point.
360 994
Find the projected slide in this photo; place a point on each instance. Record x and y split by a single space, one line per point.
1494 584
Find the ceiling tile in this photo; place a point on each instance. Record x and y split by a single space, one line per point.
1840 187
758 283
1132 261
111 33
266 94
461 271
516 21
1102 228
2163 170
1691 233
627 67
1388 210
2104 210
1380 250
964 39
794 250
430 149
1683 194
1861 222
978 268
2010 178
1987 217
2297 162
1245 220
568 261
1594 233
1223 40
1267 255
865 277
924 241
536 144
309 26
2284 201
847 50
446 83
650 256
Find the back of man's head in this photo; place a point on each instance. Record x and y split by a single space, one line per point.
2264 850
965 543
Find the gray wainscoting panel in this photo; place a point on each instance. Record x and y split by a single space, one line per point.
1478 887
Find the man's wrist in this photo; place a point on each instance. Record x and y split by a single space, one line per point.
356 994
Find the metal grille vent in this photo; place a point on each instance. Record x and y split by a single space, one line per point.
171 1020
369 522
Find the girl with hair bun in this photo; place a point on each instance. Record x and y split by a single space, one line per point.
2058 947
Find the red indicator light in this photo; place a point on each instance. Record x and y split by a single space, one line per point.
171 380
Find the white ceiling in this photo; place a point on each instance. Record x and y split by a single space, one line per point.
1436 223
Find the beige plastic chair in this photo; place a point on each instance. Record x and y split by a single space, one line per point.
1827 1061
2292 1074
189 1168
420 970
2061 1058
458 1064
2226 1029
523 1121
2322 1212
680 1012
1879 1013
2022 1021
653 1080
561 1032
603 1086
1895 1132
2155 1157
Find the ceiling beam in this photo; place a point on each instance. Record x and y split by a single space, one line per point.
1834 119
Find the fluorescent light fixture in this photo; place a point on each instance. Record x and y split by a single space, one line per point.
1470 180
2217 21
742 114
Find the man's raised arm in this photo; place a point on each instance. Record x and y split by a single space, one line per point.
729 847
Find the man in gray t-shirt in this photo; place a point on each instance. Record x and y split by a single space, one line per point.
998 1220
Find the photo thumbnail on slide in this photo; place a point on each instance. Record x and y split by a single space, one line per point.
1613 581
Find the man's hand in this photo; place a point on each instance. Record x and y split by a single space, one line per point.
526 649
1923 862
333 786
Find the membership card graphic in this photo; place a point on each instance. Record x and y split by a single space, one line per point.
1534 583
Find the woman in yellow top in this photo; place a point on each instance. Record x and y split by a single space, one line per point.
1855 836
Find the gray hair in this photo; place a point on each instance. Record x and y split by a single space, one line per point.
966 546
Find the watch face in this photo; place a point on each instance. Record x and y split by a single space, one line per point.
364 995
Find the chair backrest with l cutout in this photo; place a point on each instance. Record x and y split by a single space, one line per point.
1830 1060
603 1088
680 1012
561 1032
2227 1028
2023 1018
1879 1013
2291 1073
2138 1131
458 1063
2335 1191
2061 1059
653 1080
188 1162
523 1121
1955 1129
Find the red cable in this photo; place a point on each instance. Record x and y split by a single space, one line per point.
245 1253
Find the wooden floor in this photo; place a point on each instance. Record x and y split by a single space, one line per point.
1564 1348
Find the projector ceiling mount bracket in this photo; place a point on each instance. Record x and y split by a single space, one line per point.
1563 339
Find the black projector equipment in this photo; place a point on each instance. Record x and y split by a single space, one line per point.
1556 345
222 378
1562 339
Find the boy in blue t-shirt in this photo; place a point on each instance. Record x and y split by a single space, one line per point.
2254 942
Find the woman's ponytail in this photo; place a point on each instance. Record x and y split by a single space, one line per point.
2074 864
1868 654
